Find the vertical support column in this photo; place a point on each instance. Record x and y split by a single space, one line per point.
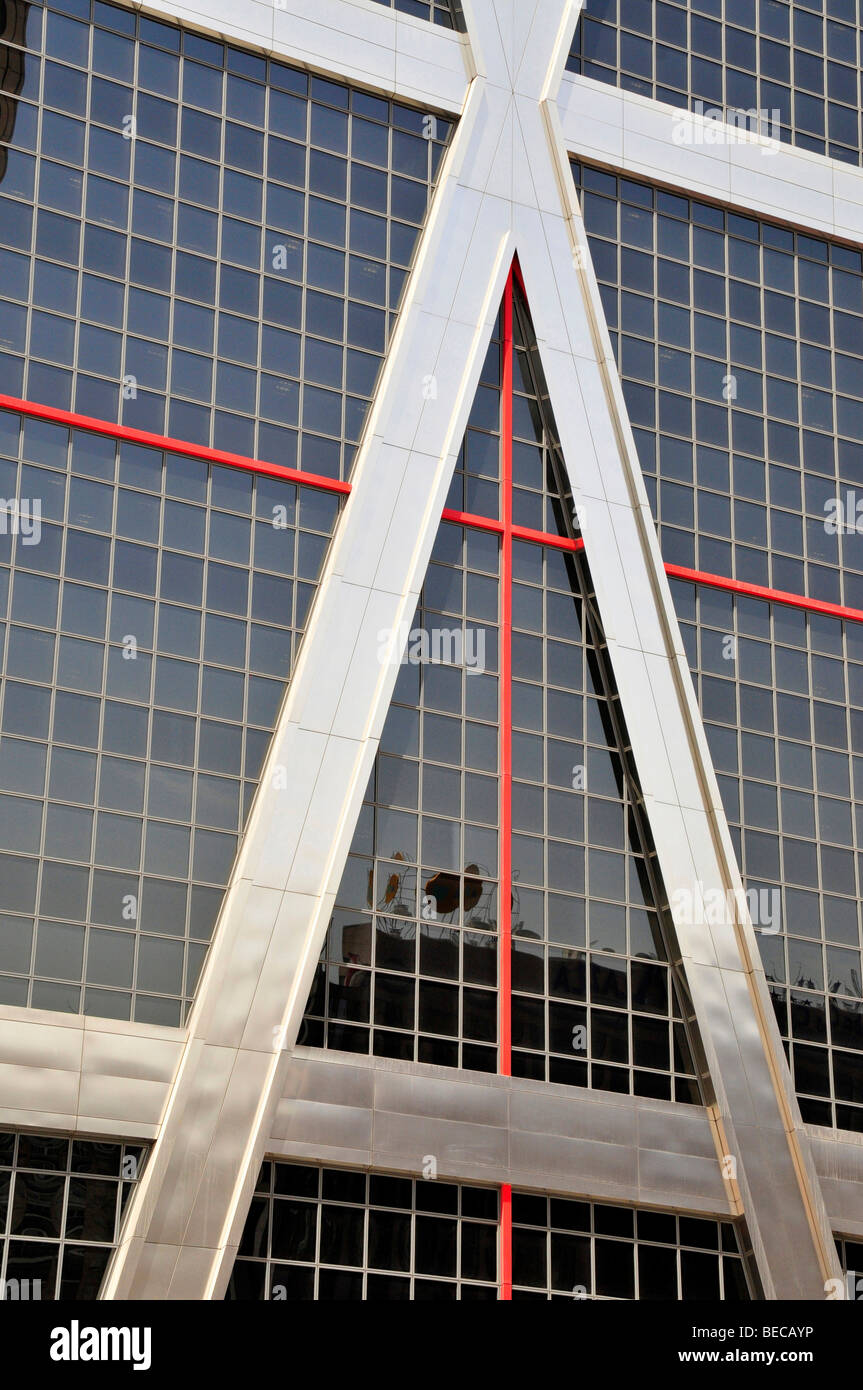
505 889
506 1242
505 906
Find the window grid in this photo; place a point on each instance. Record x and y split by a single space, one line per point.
570 1249
781 694
342 1234
130 328
541 497
182 588
447 13
595 1000
798 65
415 923
585 906
739 344
850 1254
585 883
61 1210
475 487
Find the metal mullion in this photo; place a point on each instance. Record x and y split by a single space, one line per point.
505 591
31 277
118 1199
364 1261
146 817
302 329
217 307
269 1258
319 1208
99 751
458 1238
4 679
51 739
112 591
679 1258
61 1244
412 1239
5 1235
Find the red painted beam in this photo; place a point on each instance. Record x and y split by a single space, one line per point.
506 1242
505 889
38 411
524 533
739 586
176 446
478 523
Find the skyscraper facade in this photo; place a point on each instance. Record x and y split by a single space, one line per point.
431 698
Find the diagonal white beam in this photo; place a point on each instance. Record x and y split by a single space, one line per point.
349 40
505 185
694 154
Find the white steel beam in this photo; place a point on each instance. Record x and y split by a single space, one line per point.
695 154
348 40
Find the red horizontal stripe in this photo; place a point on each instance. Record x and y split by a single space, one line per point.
524 533
177 446
519 533
738 586
479 523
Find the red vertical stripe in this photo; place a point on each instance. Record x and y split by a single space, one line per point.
505 909
506 1242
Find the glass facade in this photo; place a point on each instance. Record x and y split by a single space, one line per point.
340 1234
61 1208
794 67
475 486
781 693
198 241
740 347
738 344
851 1259
149 623
541 496
409 968
565 1249
595 999
209 246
